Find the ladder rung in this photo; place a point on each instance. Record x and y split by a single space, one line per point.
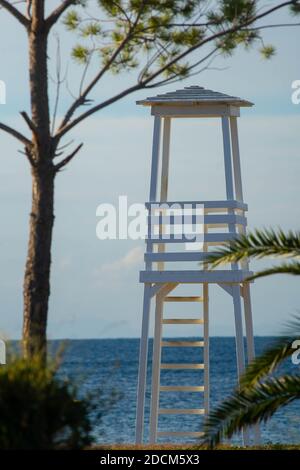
183 299
180 433
181 411
181 388
182 321
182 366
181 344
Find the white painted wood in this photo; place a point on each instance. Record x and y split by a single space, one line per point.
236 159
250 343
181 411
240 354
195 277
210 238
165 160
227 158
155 158
194 95
159 283
177 256
239 342
181 111
142 374
218 205
164 174
181 388
227 288
248 322
213 221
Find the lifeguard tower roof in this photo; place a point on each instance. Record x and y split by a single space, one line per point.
194 95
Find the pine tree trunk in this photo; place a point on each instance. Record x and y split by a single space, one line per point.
37 271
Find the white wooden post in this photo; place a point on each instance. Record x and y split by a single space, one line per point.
236 294
245 265
250 343
165 159
236 289
164 174
240 353
227 158
142 374
236 159
155 158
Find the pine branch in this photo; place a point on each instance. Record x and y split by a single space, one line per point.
64 128
100 106
218 35
58 12
83 96
29 122
66 160
16 134
15 12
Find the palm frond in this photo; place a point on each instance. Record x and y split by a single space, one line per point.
250 406
283 268
258 244
268 361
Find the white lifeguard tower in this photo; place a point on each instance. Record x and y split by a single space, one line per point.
229 216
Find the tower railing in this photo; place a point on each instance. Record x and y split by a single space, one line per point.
182 232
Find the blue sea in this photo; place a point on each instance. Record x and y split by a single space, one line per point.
107 370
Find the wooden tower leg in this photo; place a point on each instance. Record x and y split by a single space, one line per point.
206 347
239 342
250 342
156 368
142 376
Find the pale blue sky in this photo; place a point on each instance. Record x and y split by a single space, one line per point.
95 289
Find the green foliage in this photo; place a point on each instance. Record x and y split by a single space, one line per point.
295 9
237 10
39 411
260 244
72 20
268 51
157 36
92 29
250 406
81 54
260 394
